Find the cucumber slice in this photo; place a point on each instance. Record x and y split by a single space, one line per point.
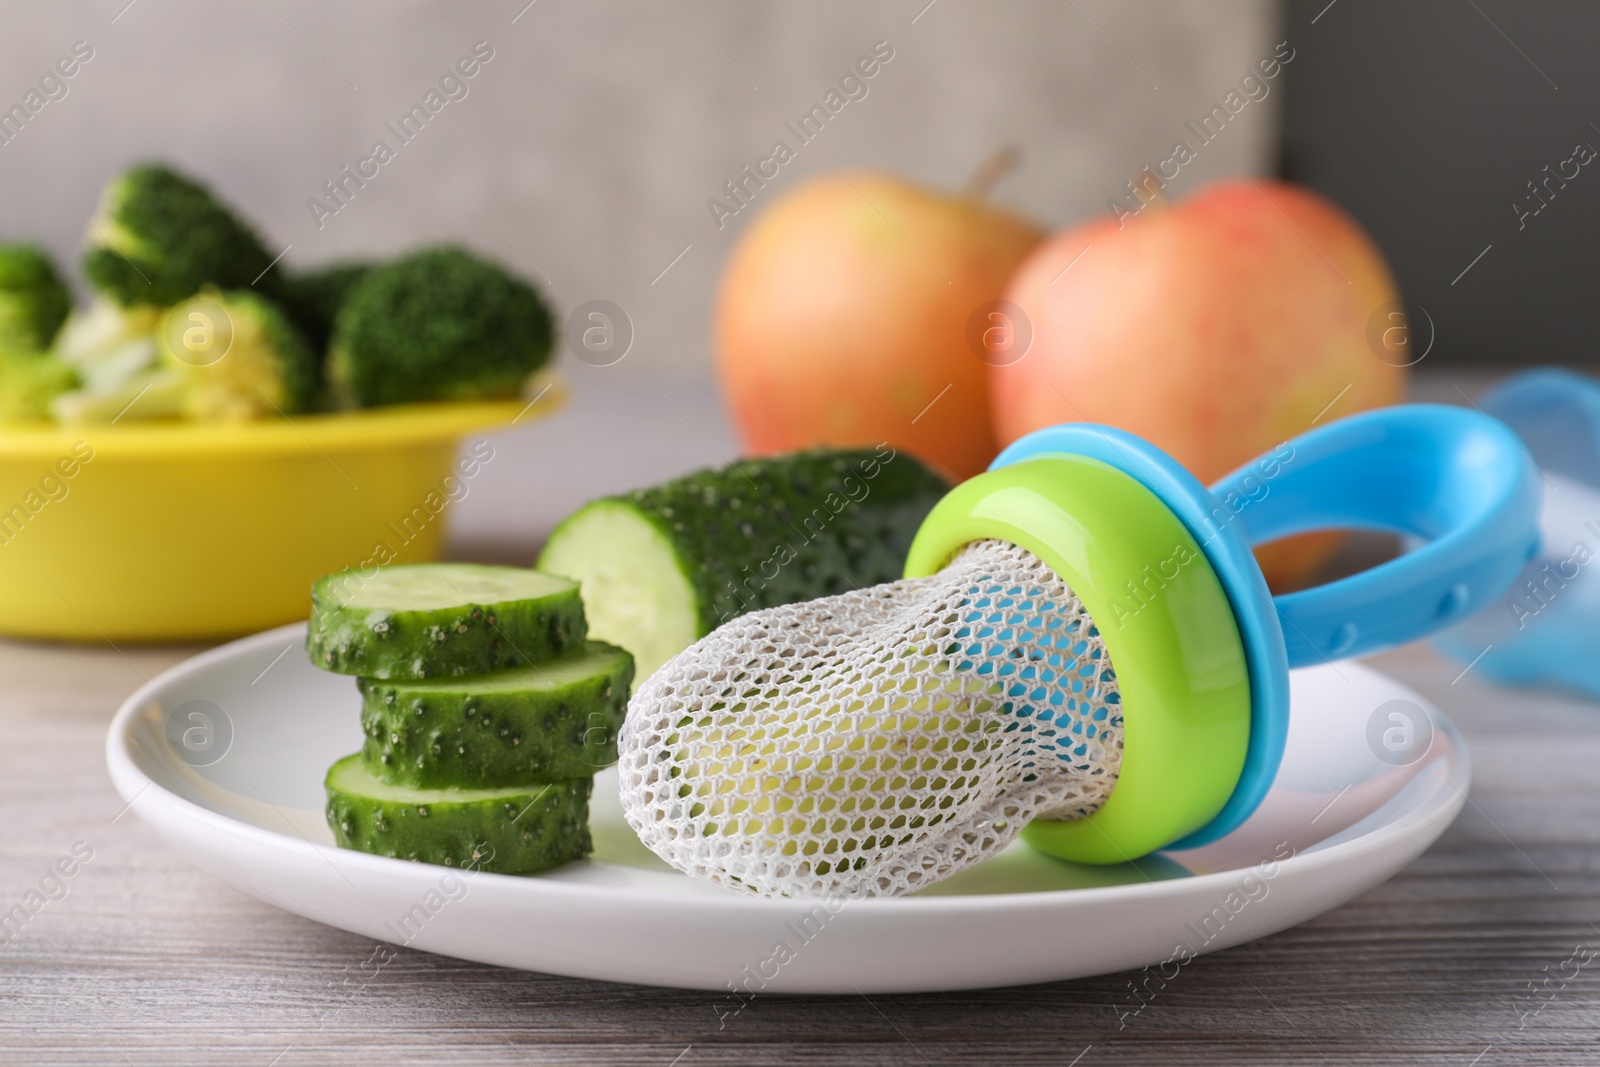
511 831
428 620
550 720
663 567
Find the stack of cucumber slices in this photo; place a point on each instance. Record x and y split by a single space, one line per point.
486 713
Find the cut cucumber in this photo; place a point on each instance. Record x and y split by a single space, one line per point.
427 620
554 719
663 567
511 831
635 591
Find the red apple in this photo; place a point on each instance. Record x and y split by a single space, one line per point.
843 315
1215 328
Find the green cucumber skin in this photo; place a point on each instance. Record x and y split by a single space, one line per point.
471 639
523 831
442 734
782 529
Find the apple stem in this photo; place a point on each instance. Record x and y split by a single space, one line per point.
988 174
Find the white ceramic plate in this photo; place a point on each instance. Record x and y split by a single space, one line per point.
1339 820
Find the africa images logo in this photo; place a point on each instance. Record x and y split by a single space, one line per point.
453 85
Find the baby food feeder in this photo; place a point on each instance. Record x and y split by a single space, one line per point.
1083 651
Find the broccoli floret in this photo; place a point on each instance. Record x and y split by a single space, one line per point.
29 382
107 343
160 236
440 324
155 393
313 298
112 351
33 299
239 356
214 356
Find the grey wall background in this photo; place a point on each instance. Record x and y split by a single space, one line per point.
588 145
1427 120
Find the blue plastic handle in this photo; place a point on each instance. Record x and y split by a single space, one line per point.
1456 479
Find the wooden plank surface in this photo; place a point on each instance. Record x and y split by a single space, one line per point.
146 960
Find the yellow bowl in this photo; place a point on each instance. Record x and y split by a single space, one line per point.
186 531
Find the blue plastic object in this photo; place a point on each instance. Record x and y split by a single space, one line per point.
1455 479
1546 628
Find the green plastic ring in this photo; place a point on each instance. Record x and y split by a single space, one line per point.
1167 626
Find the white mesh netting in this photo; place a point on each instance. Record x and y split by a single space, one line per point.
873 743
